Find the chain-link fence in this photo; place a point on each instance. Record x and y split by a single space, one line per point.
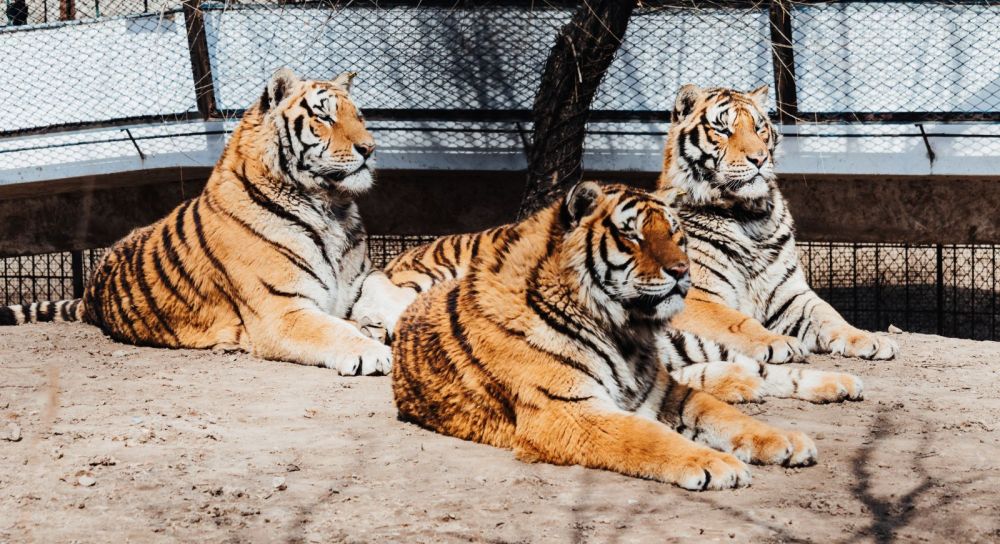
75 64
87 63
940 289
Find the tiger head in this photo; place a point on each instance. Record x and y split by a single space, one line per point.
626 248
322 142
720 146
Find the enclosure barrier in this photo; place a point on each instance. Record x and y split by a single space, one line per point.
939 289
461 73
163 60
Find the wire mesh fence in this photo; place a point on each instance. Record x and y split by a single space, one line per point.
90 63
96 61
950 290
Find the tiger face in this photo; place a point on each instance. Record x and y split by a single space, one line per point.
323 142
721 144
633 251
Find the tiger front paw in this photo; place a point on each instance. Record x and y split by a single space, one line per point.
769 446
779 350
823 387
366 357
851 342
713 470
380 305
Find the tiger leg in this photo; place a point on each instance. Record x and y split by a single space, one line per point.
747 380
309 336
595 434
821 328
736 330
706 419
380 305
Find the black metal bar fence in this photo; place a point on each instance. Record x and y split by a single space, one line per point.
939 289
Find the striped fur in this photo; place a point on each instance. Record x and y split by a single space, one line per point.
270 256
548 345
690 355
751 293
42 312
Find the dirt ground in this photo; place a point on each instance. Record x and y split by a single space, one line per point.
119 443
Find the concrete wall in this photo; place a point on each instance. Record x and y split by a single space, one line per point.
916 209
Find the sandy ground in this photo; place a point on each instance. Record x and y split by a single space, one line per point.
195 446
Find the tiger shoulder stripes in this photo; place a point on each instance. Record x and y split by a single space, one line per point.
750 292
267 259
547 345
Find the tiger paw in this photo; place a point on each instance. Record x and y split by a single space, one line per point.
770 446
713 470
779 350
851 342
739 391
381 303
823 387
368 358
375 331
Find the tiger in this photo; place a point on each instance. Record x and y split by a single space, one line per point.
547 345
267 259
750 292
694 359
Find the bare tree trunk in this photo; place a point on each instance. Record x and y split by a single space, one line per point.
67 10
576 65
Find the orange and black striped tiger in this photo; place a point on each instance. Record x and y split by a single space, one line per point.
268 258
690 354
750 292
548 345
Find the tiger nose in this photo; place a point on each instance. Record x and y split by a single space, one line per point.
757 159
678 269
365 149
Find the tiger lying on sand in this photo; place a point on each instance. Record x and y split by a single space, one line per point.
694 358
268 259
548 345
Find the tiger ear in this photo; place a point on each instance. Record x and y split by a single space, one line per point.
344 80
759 95
277 88
687 97
580 201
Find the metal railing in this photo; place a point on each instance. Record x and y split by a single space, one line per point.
950 290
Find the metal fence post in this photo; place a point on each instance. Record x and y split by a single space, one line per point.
783 58
939 285
76 267
201 66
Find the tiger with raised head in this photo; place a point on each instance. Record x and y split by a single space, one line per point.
691 356
749 291
548 345
267 259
